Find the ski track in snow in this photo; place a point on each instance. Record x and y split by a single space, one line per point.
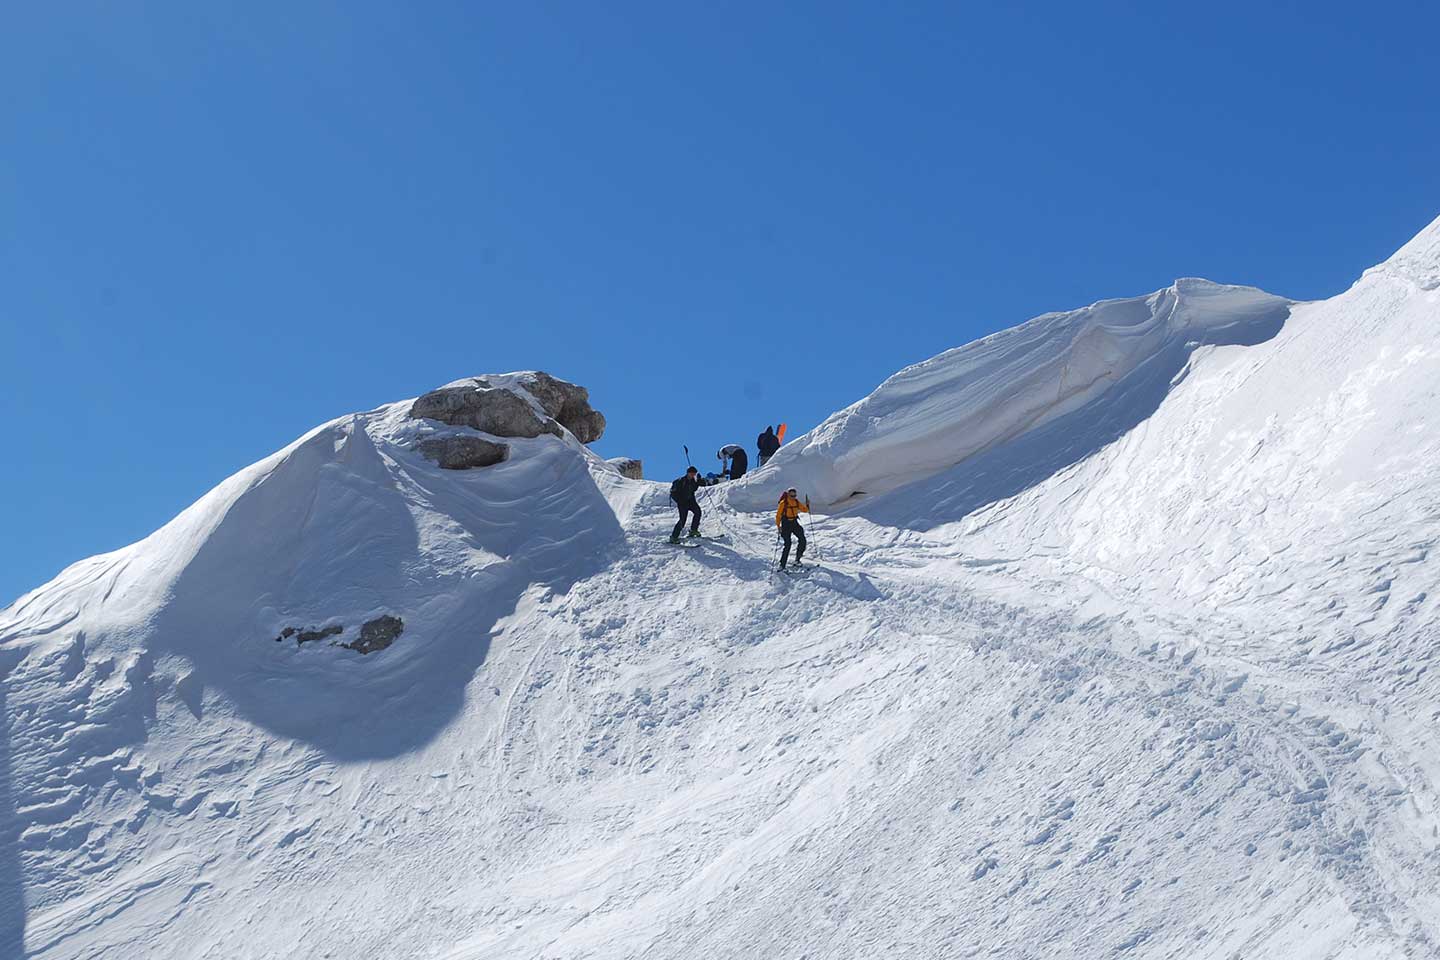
1150 677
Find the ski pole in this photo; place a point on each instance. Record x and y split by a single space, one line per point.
814 524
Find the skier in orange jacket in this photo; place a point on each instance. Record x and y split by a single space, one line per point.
787 518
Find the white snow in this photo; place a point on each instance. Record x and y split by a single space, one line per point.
1121 645
973 398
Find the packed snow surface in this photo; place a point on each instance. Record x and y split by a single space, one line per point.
1118 645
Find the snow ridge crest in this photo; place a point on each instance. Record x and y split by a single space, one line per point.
1417 262
937 413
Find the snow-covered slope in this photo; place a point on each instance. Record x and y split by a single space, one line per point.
346 525
1119 646
983 395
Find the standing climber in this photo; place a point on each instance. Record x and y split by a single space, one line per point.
682 491
767 443
787 518
733 461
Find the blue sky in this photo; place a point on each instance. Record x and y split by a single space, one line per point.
221 224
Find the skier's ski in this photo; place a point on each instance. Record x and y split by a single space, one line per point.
692 543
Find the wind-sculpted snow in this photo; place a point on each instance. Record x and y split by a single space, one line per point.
974 398
1417 262
393 568
1128 650
349 524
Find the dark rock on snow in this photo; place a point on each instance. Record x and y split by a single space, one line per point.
377 635
568 403
505 413
306 636
489 410
462 453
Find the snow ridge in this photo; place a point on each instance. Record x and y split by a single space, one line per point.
1418 261
965 401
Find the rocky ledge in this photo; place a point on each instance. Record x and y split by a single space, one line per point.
463 453
515 405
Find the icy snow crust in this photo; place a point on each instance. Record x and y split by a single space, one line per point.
1139 667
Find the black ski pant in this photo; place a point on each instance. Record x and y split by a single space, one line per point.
791 528
686 507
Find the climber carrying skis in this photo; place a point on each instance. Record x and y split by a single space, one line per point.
787 518
767 443
682 492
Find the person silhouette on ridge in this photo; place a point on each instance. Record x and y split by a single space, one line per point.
767 443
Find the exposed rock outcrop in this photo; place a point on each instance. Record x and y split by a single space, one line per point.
629 467
507 411
492 410
309 636
376 634
463 453
568 403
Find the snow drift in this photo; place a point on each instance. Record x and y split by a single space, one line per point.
971 399
1125 650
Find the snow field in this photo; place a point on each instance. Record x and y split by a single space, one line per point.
1124 651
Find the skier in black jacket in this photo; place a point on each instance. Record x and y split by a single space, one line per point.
682 491
767 443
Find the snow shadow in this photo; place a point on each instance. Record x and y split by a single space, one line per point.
1015 465
724 557
322 543
12 890
754 568
857 586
